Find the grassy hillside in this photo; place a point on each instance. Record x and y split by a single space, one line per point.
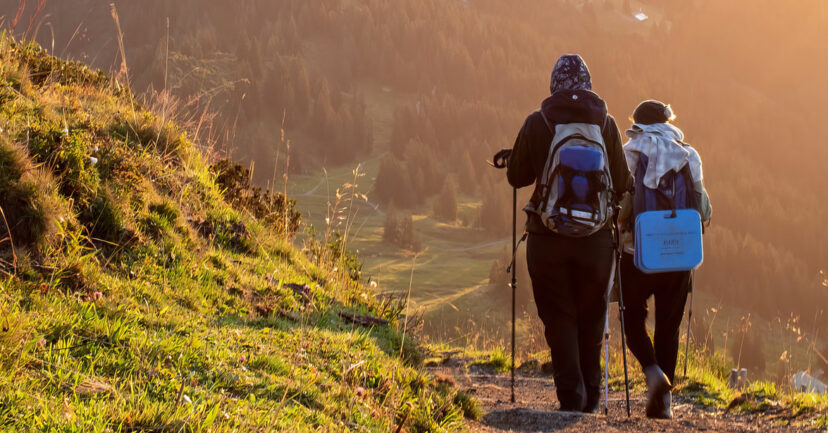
134 297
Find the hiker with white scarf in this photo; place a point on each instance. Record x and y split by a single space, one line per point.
662 143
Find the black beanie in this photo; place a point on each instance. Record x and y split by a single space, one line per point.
652 111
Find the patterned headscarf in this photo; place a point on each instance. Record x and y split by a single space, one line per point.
570 73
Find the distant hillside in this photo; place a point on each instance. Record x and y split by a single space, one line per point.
469 71
142 289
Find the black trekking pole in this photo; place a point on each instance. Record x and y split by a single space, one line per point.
607 337
618 255
689 320
514 282
499 161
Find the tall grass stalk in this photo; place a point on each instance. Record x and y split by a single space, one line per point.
10 239
349 220
746 325
408 302
123 73
286 174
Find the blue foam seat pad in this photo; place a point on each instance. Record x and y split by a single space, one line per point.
665 244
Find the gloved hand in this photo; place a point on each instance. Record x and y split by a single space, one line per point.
625 213
501 159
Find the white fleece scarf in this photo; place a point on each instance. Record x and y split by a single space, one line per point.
665 151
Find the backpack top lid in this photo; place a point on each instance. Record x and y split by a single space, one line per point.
582 158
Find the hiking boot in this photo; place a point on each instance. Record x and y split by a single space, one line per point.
593 403
668 403
571 400
665 411
658 389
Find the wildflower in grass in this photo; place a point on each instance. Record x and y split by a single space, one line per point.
268 277
97 296
41 343
243 359
360 391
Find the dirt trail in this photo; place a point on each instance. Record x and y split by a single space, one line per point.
473 247
535 408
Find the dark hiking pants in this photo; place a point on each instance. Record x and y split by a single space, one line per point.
569 281
670 292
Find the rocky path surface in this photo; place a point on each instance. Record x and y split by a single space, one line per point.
535 408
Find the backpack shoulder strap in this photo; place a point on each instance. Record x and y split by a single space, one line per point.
546 121
552 129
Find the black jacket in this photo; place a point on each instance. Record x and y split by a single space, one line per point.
532 144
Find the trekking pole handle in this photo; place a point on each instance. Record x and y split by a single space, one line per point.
501 159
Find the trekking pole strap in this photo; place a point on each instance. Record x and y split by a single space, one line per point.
514 251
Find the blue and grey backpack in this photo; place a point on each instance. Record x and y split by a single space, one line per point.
575 187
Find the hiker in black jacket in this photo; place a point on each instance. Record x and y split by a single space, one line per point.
569 275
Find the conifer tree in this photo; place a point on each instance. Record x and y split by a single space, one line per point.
494 213
467 175
391 226
302 90
408 236
445 205
324 116
387 182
